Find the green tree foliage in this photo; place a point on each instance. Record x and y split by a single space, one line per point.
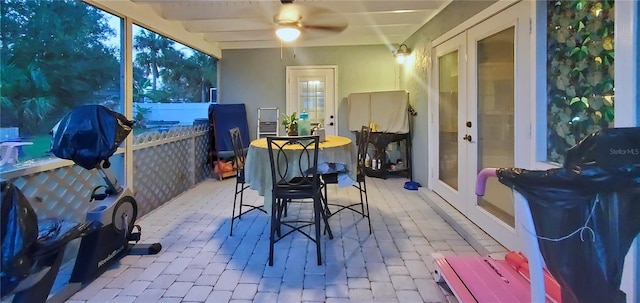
154 51
53 58
175 76
192 77
580 56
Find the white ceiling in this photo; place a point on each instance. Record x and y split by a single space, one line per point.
243 24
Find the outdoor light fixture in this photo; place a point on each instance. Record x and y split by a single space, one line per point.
402 53
288 32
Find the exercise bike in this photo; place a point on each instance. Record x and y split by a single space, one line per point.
89 135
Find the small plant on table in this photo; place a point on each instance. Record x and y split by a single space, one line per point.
290 123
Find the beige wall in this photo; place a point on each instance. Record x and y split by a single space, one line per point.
256 77
414 79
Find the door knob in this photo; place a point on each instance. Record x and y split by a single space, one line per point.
468 124
467 137
330 123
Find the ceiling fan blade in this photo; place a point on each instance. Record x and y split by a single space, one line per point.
316 22
331 28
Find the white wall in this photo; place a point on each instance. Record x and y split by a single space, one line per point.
183 112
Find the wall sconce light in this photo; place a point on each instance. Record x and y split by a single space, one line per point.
402 53
288 32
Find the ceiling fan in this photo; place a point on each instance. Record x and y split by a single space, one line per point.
294 20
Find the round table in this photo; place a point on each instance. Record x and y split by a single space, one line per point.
336 154
330 143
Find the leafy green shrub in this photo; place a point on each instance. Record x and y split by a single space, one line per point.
580 56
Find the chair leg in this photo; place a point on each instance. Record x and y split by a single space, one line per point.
286 206
233 211
366 200
325 199
316 210
241 198
326 213
281 206
361 190
272 231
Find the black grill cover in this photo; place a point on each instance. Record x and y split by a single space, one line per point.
599 185
89 134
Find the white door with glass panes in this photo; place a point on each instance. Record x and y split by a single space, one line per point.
313 89
447 162
483 87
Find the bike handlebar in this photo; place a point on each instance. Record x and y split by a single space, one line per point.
483 175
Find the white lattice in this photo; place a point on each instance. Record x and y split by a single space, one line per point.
165 165
62 193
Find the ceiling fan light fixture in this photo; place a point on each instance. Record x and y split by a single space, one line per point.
402 53
288 32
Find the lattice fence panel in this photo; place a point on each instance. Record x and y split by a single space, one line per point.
62 193
165 165
202 170
161 173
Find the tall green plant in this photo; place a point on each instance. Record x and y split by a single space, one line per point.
580 82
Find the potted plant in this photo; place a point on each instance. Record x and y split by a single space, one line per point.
290 123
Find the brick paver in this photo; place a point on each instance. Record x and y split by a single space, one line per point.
201 263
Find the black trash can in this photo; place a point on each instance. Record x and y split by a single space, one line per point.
586 213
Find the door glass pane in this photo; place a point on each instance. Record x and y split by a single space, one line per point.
495 117
311 99
448 117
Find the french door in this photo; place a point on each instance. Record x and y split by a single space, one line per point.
481 77
313 89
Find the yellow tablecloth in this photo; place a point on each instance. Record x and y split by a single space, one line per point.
331 142
335 150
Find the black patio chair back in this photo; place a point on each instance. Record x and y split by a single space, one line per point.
240 157
294 162
362 142
238 150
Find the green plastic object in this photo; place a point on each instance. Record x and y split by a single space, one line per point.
304 125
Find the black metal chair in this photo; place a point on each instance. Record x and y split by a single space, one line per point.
294 162
332 178
239 160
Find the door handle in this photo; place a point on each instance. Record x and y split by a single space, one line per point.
330 123
467 137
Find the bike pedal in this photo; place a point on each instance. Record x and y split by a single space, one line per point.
134 237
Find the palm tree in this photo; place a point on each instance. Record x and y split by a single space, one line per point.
25 94
208 72
152 49
192 77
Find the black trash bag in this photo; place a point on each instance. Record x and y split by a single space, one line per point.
19 234
27 241
89 134
54 234
595 198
